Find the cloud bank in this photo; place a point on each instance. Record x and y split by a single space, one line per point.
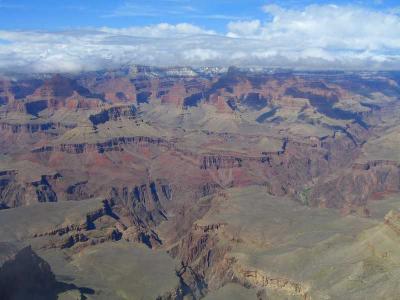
316 37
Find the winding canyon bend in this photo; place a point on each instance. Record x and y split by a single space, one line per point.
208 183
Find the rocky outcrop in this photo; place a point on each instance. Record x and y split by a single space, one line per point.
113 114
175 95
129 214
220 162
208 189
14 193
49 128
115 144
201 253
60 92
99 226
392 220
300 163
353 189
142 202
142 206
259 279
78 191
191 286
24 275
44 190
288 170
113 89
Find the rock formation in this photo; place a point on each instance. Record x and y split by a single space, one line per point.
144 155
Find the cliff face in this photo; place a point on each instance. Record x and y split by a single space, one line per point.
257 278
59 92
15 192
353 189
115 144
200 253
113 114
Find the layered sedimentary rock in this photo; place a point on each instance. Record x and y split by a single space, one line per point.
352 190
156 149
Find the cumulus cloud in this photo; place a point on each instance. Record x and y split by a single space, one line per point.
318 36
333 27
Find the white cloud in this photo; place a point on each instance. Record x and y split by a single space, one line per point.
200 54
333 27
319 36
162 30
243 28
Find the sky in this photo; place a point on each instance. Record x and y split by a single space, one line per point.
81 35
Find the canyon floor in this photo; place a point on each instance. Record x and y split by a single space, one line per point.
160 183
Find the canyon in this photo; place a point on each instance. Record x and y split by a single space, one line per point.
181 183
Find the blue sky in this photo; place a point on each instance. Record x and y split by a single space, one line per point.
212 14
79 35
